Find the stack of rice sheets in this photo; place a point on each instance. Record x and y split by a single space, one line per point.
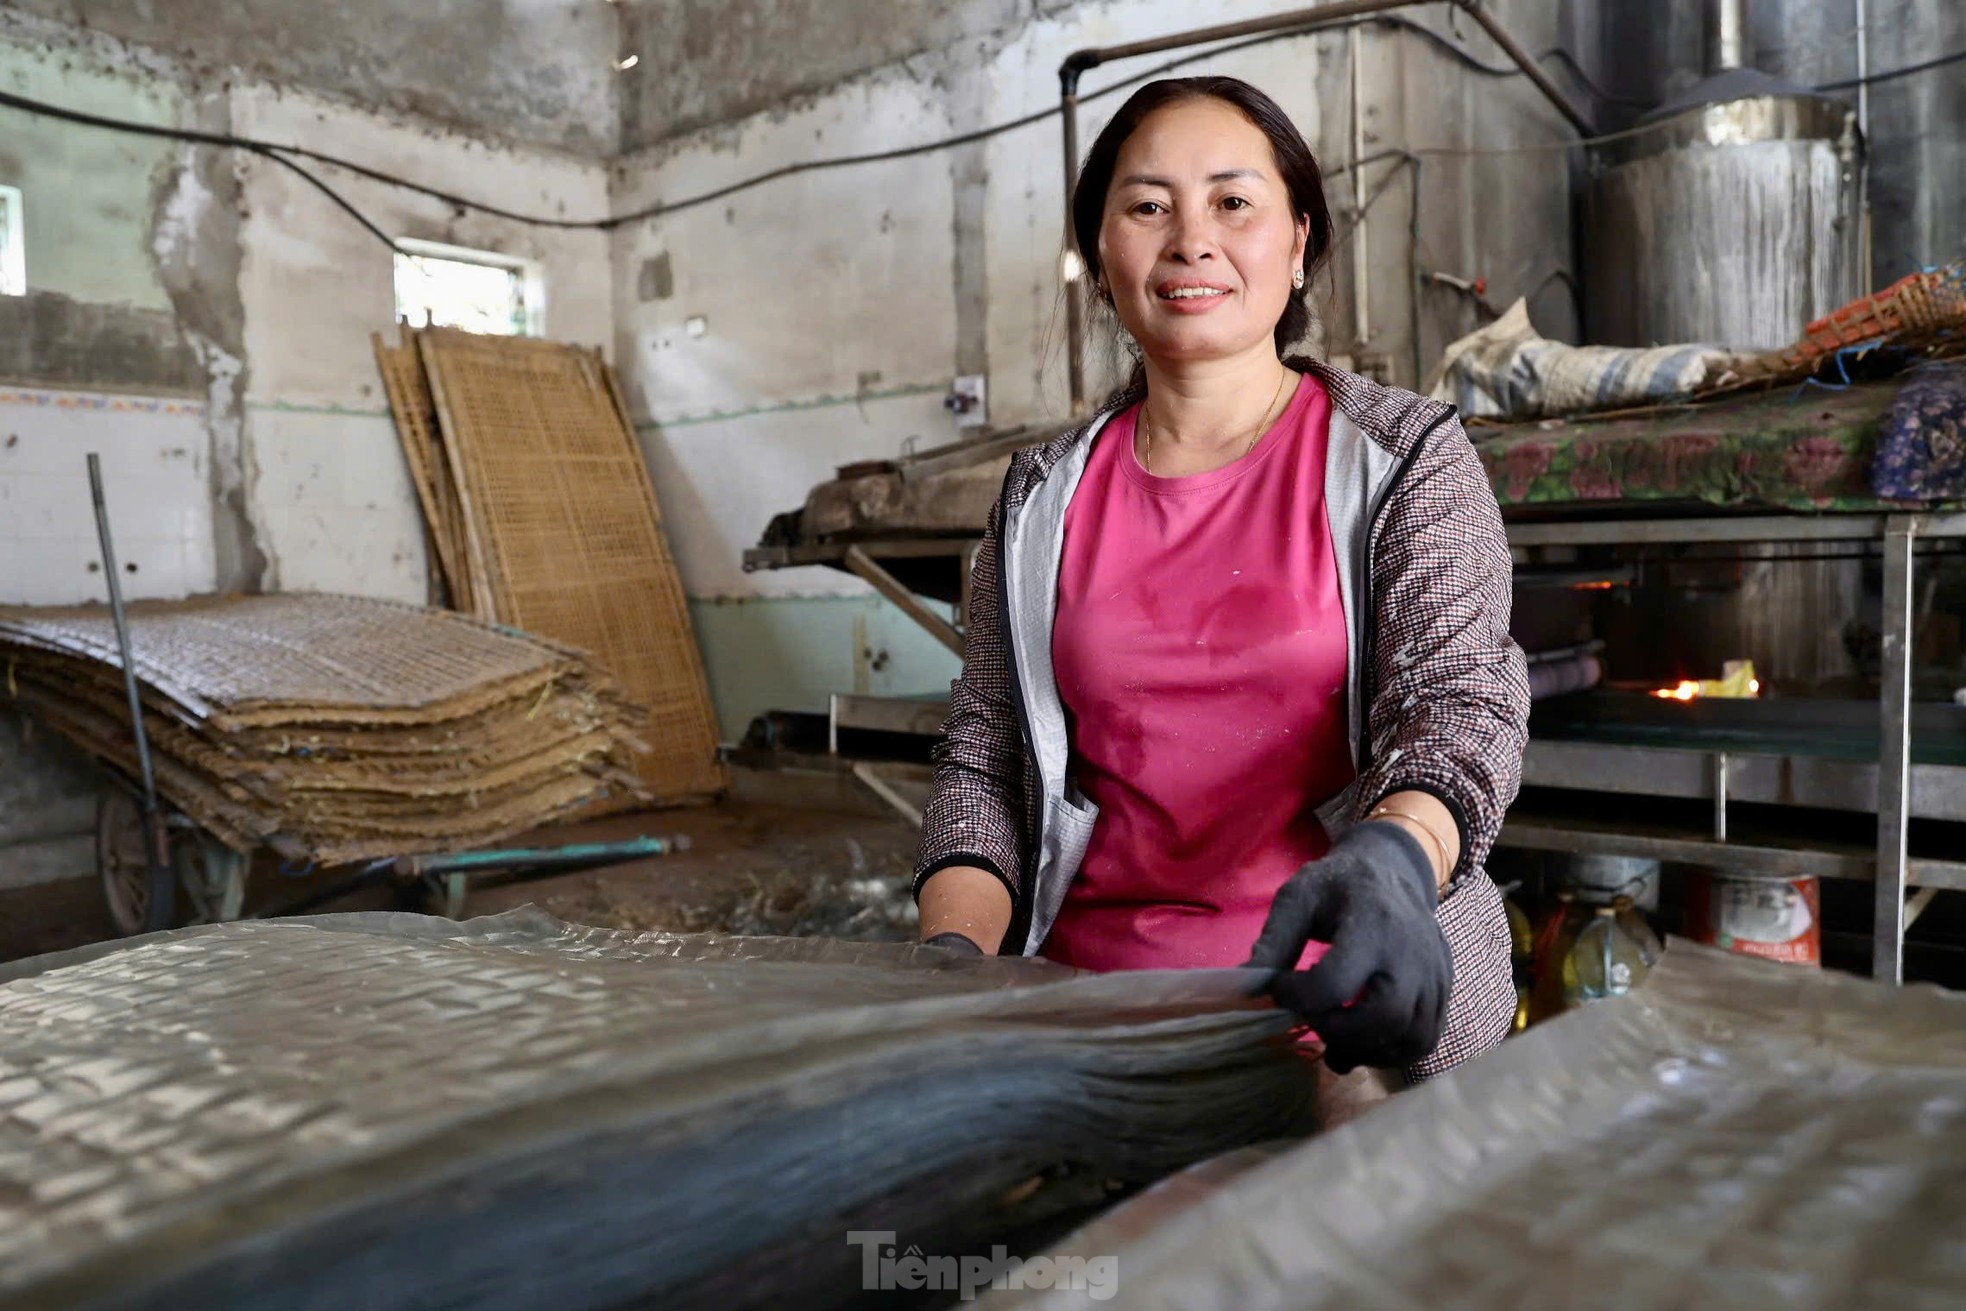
332 728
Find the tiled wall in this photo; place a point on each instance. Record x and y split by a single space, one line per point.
153 463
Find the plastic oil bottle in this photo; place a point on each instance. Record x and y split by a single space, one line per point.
1522 948
1632 920
1554 938
1607 960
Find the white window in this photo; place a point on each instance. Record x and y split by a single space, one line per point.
13 244
480 291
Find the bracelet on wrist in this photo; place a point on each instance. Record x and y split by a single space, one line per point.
1440 844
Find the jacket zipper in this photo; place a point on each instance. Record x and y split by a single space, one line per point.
1368 656
1020 914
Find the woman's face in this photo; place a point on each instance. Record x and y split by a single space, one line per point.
1198 243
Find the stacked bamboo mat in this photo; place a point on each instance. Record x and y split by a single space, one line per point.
331 727
541 515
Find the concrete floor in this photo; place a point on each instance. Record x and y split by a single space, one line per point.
752 867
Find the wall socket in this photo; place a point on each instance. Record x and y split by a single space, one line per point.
968 400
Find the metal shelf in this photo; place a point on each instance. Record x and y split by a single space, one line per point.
1891 786
1757 854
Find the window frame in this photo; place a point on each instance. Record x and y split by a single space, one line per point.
13 249
532 276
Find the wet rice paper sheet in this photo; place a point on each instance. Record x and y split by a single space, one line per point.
1735 1134
382 1110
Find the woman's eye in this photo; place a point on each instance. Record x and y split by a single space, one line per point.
1235 202
1147 208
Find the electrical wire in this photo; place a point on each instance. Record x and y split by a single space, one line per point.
287 155
1850 84
278 151
193 137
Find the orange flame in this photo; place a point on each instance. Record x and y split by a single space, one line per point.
1689 689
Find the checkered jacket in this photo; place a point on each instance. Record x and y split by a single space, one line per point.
1445 688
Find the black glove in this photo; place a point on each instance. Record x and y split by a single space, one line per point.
959 943
1372 898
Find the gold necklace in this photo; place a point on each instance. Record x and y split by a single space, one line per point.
1263 421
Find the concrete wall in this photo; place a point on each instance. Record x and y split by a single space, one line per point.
535 71
773 335
202 320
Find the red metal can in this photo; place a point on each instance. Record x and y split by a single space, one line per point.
1773 918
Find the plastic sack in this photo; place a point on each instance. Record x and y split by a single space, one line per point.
1506 370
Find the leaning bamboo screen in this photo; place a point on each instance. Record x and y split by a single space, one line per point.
544 518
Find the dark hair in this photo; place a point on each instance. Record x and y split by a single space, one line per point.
1301 175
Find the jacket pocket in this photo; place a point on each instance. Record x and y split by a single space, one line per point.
1481 1007
1069 820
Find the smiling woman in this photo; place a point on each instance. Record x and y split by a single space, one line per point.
1238 687
1244 177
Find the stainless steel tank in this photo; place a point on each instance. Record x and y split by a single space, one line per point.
1731 217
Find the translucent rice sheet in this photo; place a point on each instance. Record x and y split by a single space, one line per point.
374 1111
1736 1134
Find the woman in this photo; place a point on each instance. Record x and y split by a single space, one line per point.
1239 684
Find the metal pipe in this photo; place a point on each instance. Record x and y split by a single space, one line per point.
1894 754
1297 21
1073 257
1864 281
576 856
1727 35
1532 70
1361 249
153 828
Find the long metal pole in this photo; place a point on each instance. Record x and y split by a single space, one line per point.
1361 247
153 830
1295 21
1894 753
1074 257
1532 70
1865 234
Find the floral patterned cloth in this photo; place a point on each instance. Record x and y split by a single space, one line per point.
1921 455
1903 440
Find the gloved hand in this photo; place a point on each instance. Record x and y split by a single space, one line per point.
959 943
1379 994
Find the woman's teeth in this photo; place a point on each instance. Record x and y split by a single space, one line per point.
1192 293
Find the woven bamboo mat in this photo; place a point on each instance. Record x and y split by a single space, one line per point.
273 659
416 426
563 536
334 728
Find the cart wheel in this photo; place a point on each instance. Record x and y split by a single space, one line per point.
213 876
139 901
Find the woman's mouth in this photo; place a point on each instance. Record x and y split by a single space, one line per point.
1191 297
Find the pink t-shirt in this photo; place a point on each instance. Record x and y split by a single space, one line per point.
1200 654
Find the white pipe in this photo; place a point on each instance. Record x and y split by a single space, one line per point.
1863 69
1727 35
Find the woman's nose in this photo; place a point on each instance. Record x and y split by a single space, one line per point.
1191 241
